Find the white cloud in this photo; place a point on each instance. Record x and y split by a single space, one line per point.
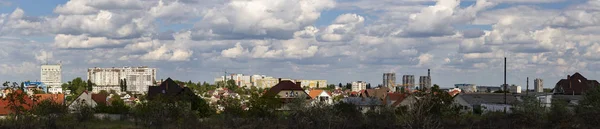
83 41
16 69
174 12
234 52
262 18
344 28
438 20
44 56
168 54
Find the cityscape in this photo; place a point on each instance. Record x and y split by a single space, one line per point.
299 64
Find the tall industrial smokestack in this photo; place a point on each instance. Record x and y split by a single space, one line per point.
505 87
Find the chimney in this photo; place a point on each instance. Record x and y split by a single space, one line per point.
279 80
428 72
298 83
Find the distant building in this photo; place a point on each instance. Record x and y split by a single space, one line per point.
359 85
389 81
137 78
538 85
408 81
313 83
574 85
515 89
488 89
424 82
51 76
466 88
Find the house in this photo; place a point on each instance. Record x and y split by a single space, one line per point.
100 98
364 104
56 98
288 90
83 98
169 88
4 103
394 99
575 84
485 101
321 96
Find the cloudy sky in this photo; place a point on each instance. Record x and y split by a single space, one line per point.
462 41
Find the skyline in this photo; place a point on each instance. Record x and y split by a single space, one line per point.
340 41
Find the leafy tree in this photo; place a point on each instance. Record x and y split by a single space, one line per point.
589 108
560 116
529 113
89 85
125 85
263 106
340 85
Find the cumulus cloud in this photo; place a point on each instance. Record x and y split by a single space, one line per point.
344 28
234 52
438 20
261 18
174 12
169 54
17 23
22 68
83 41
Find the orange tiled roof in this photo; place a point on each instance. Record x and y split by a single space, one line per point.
57 98
5 110
314 93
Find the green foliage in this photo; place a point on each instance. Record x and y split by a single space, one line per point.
589 108
77 86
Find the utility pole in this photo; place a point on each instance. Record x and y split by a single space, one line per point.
527 90
505 87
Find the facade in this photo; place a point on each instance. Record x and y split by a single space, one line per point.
488 89
313 83
424 82
389 81
51 76
408 81
515 89
538 85
575 84
137 78
359 85
84 98
320 96
466 88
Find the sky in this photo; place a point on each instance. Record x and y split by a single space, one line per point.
461 41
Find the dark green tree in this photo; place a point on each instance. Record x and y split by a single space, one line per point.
124 84
589 108
89 85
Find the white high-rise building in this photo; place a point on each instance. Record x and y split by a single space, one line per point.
137 78
359 85
538 85
51 76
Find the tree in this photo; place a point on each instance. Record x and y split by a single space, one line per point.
124 84
340 85
121 85
348 86
589 108
89 85
369 86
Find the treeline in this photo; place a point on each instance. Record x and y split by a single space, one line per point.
431 111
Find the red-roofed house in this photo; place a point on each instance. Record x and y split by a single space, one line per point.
287 90
5 102
321 96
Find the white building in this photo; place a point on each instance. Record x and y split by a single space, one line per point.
313 83
466 88
538 85
515 89
359 85
137 78
51 75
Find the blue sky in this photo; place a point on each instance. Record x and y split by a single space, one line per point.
340 41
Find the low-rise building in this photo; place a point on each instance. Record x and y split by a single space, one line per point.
359 85
515 89
466 88
321 96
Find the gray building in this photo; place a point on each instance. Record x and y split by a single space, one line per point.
408 81
538 85
488 89
425 82
389 81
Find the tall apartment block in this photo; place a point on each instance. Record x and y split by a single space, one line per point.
359 85
51 76
538 85
424 82
137 78
408 81
389 81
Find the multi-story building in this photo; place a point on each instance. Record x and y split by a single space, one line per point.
538 85
408 81
424 82
466 88
389 81
137 79
313 83
515 89
51 76
359 85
